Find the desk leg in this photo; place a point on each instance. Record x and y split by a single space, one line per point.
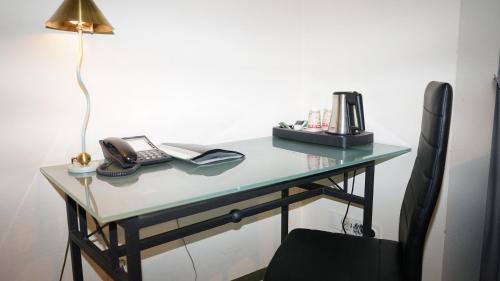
284 216
82 220
133 249
368 206
76 257
113 245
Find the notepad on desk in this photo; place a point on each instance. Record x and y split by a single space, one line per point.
199 154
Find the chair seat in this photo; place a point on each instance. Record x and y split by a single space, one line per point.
313 255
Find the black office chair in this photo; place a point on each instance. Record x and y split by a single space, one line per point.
312 255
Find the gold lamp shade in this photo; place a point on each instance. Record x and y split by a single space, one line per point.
73 13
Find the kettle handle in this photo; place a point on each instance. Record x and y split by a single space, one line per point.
360 112
355 103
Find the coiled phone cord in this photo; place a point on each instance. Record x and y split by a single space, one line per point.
103 170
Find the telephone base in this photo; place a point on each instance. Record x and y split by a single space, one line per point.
76 168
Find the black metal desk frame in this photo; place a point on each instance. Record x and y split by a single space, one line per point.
108 259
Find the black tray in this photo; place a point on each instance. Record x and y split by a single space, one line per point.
322 137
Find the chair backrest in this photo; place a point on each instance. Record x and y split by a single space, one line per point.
425 183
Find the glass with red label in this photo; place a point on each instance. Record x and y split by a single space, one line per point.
314 121
325 124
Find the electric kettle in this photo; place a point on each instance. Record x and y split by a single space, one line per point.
347 114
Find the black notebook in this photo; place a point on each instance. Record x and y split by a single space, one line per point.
198 154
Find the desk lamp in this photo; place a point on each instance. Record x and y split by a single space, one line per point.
80 16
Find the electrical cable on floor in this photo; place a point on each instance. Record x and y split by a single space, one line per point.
348 203
189 254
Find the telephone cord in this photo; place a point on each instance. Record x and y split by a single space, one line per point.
102 170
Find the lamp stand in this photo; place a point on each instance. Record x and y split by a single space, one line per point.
82 163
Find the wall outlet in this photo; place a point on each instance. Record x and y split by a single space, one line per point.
353 226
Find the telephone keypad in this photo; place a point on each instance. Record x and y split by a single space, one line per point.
153 156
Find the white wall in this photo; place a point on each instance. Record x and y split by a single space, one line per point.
190 71
206 72
470 145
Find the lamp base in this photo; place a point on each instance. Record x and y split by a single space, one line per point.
77 168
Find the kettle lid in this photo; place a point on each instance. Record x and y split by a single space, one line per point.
346 93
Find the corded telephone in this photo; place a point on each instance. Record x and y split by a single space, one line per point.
128 154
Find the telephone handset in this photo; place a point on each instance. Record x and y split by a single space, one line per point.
129 154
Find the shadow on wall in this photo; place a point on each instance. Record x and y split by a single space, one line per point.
466 207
